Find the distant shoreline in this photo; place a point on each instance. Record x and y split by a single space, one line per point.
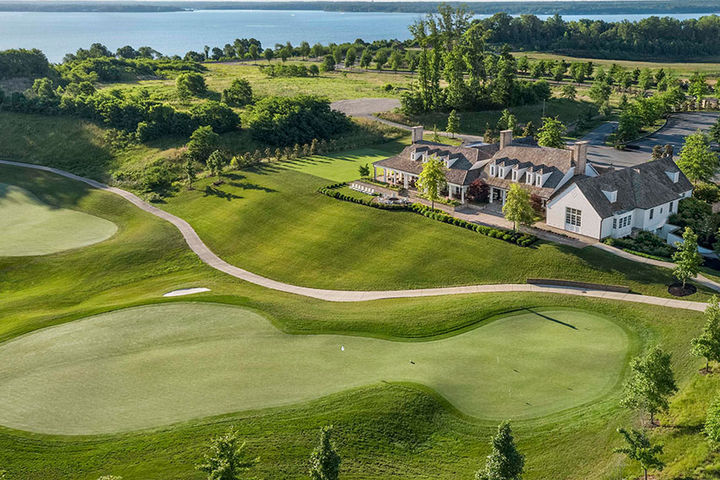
542 7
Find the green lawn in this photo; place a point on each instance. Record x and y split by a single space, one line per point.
333 85
271 221
155 365
31 227
382 430
341 167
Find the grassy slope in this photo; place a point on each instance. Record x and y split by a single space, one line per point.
383 430
270 221
159 364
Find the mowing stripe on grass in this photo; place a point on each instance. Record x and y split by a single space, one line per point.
154 365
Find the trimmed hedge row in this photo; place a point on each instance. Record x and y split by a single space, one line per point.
520 239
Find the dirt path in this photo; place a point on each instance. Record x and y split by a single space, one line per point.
210 258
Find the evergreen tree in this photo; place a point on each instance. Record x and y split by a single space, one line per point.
432 179
650 384
696 160
640 449
226 459
518 208
505 462
364 170
687 258
453 123
551 132
707 345
324 461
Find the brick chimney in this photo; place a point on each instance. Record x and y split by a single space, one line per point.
417 134
580 150
506 138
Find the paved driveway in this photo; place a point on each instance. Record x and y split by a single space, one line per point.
674 132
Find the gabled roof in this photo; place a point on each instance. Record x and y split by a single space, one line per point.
460 171
644 186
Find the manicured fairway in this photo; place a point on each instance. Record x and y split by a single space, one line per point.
30 227
340 167
155 365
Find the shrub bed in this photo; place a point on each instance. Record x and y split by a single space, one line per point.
518 238
645 244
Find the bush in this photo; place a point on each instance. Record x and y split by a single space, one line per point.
707 192
156 178
189 84
522 240
645 244
238 94
220 117
296 120
203 142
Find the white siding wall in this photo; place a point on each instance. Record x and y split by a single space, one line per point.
573 198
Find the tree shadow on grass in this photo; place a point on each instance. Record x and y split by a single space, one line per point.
211 191
555 320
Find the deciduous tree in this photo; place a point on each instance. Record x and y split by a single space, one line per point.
640 449
697 161
518 207
650 384
226 459
551 132
687 258
707 345
432 178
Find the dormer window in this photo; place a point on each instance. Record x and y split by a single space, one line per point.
538 181
514 175
492 170
529 178
611 195
673 176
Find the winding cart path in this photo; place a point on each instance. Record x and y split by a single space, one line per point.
210 258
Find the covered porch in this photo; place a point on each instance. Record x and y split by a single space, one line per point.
497 195
408 180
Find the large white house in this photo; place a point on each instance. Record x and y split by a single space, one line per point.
578 197
616 202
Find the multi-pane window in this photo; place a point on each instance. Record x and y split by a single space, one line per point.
622 222
573 216
652 212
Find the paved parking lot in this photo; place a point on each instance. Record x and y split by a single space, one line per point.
674 132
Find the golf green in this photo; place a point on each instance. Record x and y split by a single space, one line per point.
158 364
30 227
